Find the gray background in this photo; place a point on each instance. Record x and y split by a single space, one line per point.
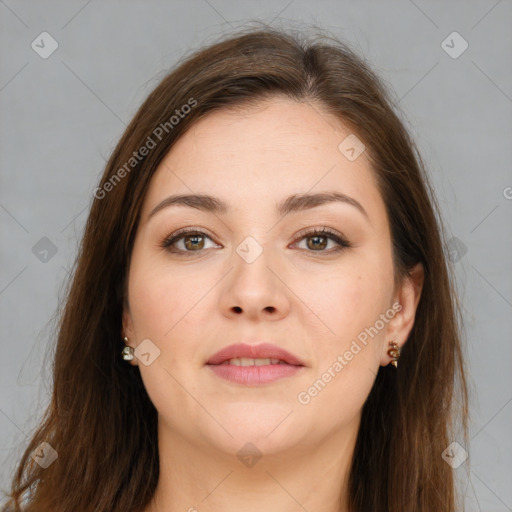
61 116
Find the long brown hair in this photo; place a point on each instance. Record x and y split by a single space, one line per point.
101 421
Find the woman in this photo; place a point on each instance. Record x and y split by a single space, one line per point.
261 316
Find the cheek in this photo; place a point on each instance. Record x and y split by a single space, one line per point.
147 305
345 302
159 297
347 353
165 309
348 347
168 307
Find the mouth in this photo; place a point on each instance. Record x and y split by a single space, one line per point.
246 361
254 365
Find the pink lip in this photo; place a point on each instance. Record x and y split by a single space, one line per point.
254 375
262 351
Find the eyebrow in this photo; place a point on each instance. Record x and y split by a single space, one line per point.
293 203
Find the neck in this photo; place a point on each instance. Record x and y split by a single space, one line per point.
203 478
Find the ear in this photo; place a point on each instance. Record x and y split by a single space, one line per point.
408 296
128 331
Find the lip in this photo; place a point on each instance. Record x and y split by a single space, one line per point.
254 375
261 351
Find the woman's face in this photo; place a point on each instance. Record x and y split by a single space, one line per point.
253 272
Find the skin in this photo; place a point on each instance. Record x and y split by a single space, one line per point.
311 301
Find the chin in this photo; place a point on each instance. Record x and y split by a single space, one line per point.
264 422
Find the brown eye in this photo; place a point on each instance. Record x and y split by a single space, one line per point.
313 242
317 240
193 242
190 240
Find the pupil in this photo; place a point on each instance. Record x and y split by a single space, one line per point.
194 238
322 246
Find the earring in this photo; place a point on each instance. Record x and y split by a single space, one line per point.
394 353
128 352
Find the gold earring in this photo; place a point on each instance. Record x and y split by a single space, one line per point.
128 352
394 353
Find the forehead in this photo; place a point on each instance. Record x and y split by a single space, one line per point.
261 154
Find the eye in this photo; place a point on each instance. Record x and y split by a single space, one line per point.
193 239
317 240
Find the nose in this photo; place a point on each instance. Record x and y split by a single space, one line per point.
255 286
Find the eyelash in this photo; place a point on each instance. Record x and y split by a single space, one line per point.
325 232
